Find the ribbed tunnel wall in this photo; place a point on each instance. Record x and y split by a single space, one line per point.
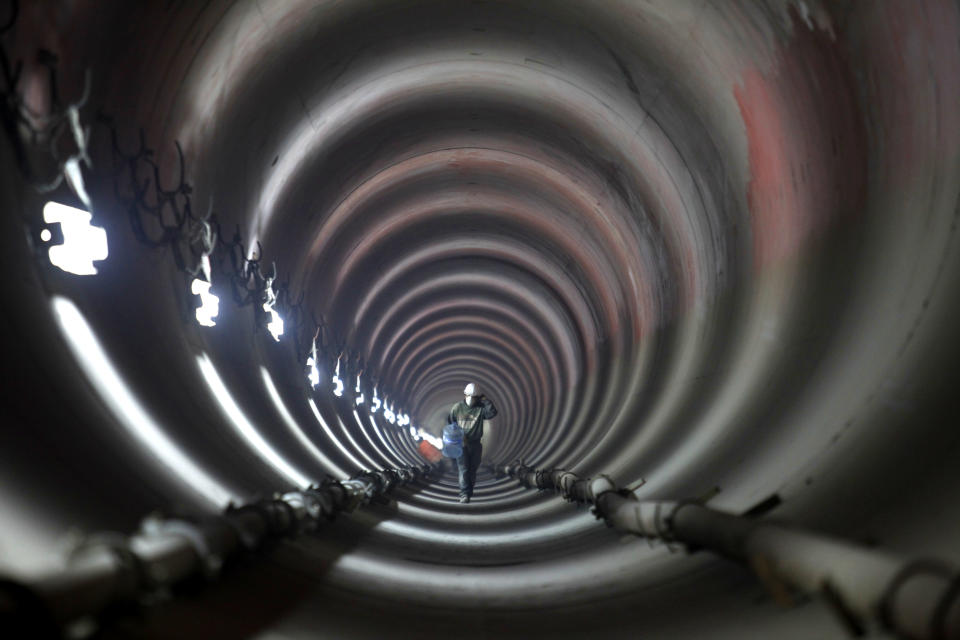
705 244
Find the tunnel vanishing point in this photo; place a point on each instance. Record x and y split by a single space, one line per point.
702 255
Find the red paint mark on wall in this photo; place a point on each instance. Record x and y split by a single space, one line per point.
806 143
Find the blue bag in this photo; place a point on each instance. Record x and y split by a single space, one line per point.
452 440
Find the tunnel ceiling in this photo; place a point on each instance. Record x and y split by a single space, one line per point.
706 248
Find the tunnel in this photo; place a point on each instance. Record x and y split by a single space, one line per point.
705 248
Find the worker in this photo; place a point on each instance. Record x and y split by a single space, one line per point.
469 414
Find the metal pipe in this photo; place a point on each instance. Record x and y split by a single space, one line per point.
110 568
914 598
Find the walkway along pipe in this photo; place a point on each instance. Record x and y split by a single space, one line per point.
912 598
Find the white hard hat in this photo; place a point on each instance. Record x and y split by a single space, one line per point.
471 390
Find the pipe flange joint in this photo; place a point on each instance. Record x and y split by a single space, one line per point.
211 560
248 539
118 546
599 485
909 570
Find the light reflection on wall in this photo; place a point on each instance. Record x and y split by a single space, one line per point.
384 454
388 451
333 438
371 464
386 447
31 538
328 465
114 393
243 426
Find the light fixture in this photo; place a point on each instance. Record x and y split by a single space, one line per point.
208 308
337 382
83 243
313 373
275 324
269 297
388 413
209 304
359 399
313 369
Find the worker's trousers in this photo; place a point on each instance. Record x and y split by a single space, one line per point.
467 465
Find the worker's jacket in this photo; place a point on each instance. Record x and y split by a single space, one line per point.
471 419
